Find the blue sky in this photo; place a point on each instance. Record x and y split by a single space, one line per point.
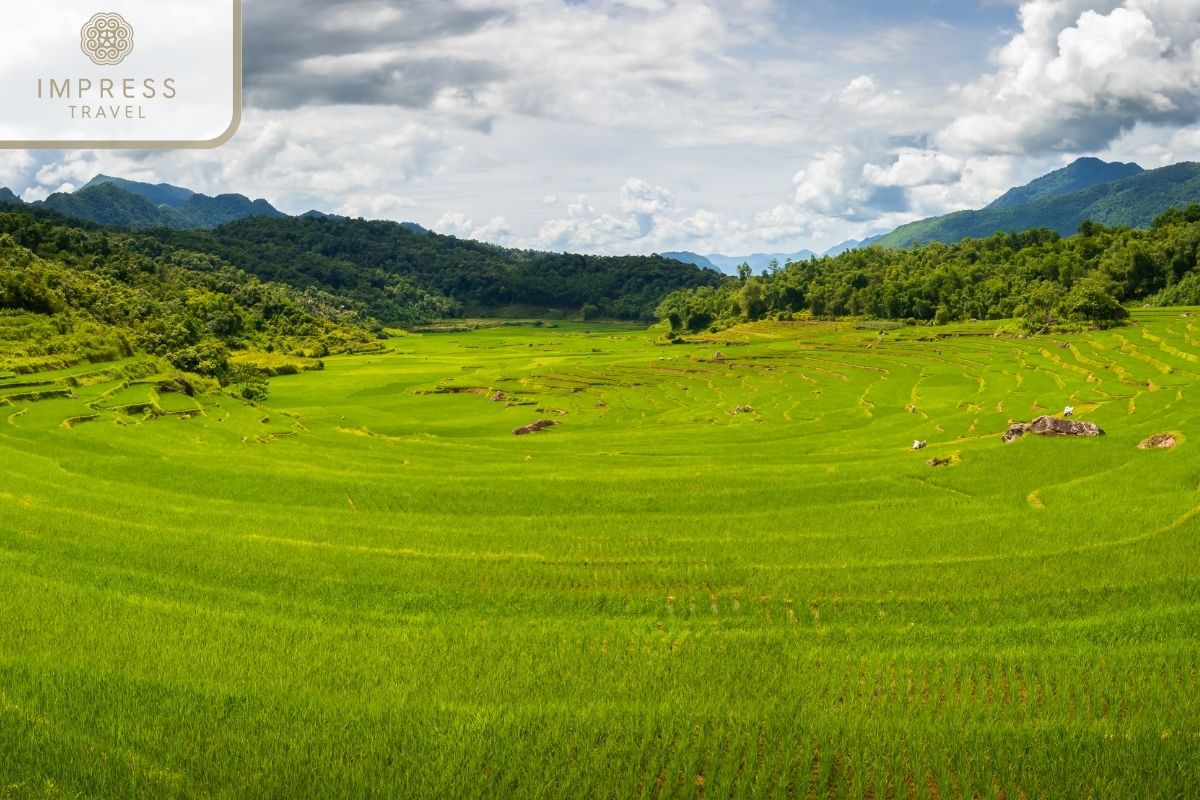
732 126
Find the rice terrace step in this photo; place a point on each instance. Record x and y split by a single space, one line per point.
611 560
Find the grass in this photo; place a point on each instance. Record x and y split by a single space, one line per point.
369 588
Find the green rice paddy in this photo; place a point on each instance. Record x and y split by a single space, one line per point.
368 587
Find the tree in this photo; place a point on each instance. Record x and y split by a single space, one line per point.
1092 300
1041 299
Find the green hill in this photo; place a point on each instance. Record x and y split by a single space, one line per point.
1083 173
1132 202
373 261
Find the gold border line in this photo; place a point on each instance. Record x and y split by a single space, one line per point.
168 144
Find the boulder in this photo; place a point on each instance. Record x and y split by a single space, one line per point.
1052 426
534 427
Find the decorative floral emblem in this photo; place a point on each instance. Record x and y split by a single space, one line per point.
107 39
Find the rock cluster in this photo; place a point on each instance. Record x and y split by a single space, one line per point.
1052 426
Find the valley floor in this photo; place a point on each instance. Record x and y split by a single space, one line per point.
368 587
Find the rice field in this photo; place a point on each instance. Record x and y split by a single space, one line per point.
724 573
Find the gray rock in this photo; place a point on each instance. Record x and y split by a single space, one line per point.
534 427
1052 426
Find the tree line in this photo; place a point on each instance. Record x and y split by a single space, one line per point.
1038 276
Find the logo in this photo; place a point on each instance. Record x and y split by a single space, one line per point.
120 74
107 39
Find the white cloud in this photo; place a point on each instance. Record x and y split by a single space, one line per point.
520 121
829 183
866 96
495 230
643 202
1079 74
915 168
376 206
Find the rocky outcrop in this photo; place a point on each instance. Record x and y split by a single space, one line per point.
1052 426
534 427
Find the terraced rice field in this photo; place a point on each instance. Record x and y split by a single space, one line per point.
368 587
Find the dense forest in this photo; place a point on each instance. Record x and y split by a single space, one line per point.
1038 276
189 307
400 275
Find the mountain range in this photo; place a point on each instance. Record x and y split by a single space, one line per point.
1112 194
131 204
729 264
106 200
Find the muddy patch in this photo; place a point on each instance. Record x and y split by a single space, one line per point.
1160 441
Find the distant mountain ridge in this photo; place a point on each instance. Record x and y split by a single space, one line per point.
158 194
132 204
107 200
1133 201
729 264
1115 194
852 244
760 261
691 258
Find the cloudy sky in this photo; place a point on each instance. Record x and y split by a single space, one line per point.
635 126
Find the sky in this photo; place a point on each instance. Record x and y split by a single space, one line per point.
639 126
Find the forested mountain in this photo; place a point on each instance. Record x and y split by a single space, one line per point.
1130 202
1083 173
1036 275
